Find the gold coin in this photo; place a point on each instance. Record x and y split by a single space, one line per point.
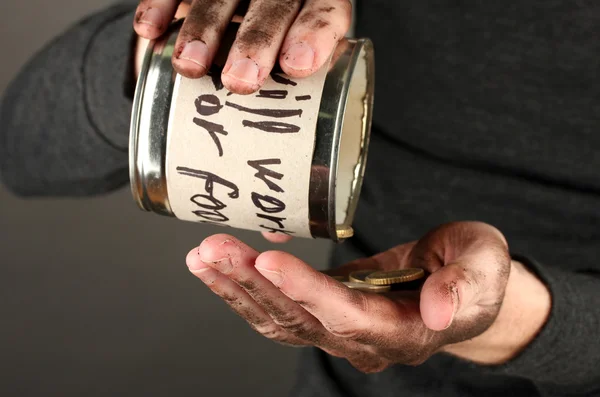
359 276
344 232
395 276
366 287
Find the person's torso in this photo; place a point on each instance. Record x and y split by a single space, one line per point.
484 111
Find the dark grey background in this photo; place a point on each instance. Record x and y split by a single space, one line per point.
95 296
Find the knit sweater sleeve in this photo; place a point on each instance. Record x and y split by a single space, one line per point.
64 119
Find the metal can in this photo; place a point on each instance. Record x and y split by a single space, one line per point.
288 159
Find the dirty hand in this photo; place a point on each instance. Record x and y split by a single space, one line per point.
301 35
476 304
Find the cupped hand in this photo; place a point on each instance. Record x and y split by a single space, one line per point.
301 35
288 301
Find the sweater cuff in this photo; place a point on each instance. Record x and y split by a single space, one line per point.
108 76
564 355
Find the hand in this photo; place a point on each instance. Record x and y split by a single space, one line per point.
301 34
150 29
476 304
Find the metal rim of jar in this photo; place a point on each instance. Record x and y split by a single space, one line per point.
150 124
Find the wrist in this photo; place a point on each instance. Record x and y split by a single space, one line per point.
524 312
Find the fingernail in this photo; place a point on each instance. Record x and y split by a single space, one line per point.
223 265
196 52
245 70
455 303
152 17
300 57
271 275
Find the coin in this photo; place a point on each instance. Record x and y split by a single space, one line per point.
367 287
345 232
359 276
395 276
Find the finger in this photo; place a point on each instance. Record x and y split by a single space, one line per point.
236 260
314 35
233 295
183 9
152 17
276 238
200 35
256 47
469 262
239 301
344 312
447 242
467 289
440 297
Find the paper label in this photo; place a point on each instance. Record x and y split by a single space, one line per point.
243 161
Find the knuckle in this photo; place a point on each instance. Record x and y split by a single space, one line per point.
284 318
248 284
277 9
268 330
248 314
255 37
231 300
336 15
294 325
275 333
263 23
346 330
205 18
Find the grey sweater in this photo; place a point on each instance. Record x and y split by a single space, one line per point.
484 111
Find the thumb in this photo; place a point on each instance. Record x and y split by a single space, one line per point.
451 290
